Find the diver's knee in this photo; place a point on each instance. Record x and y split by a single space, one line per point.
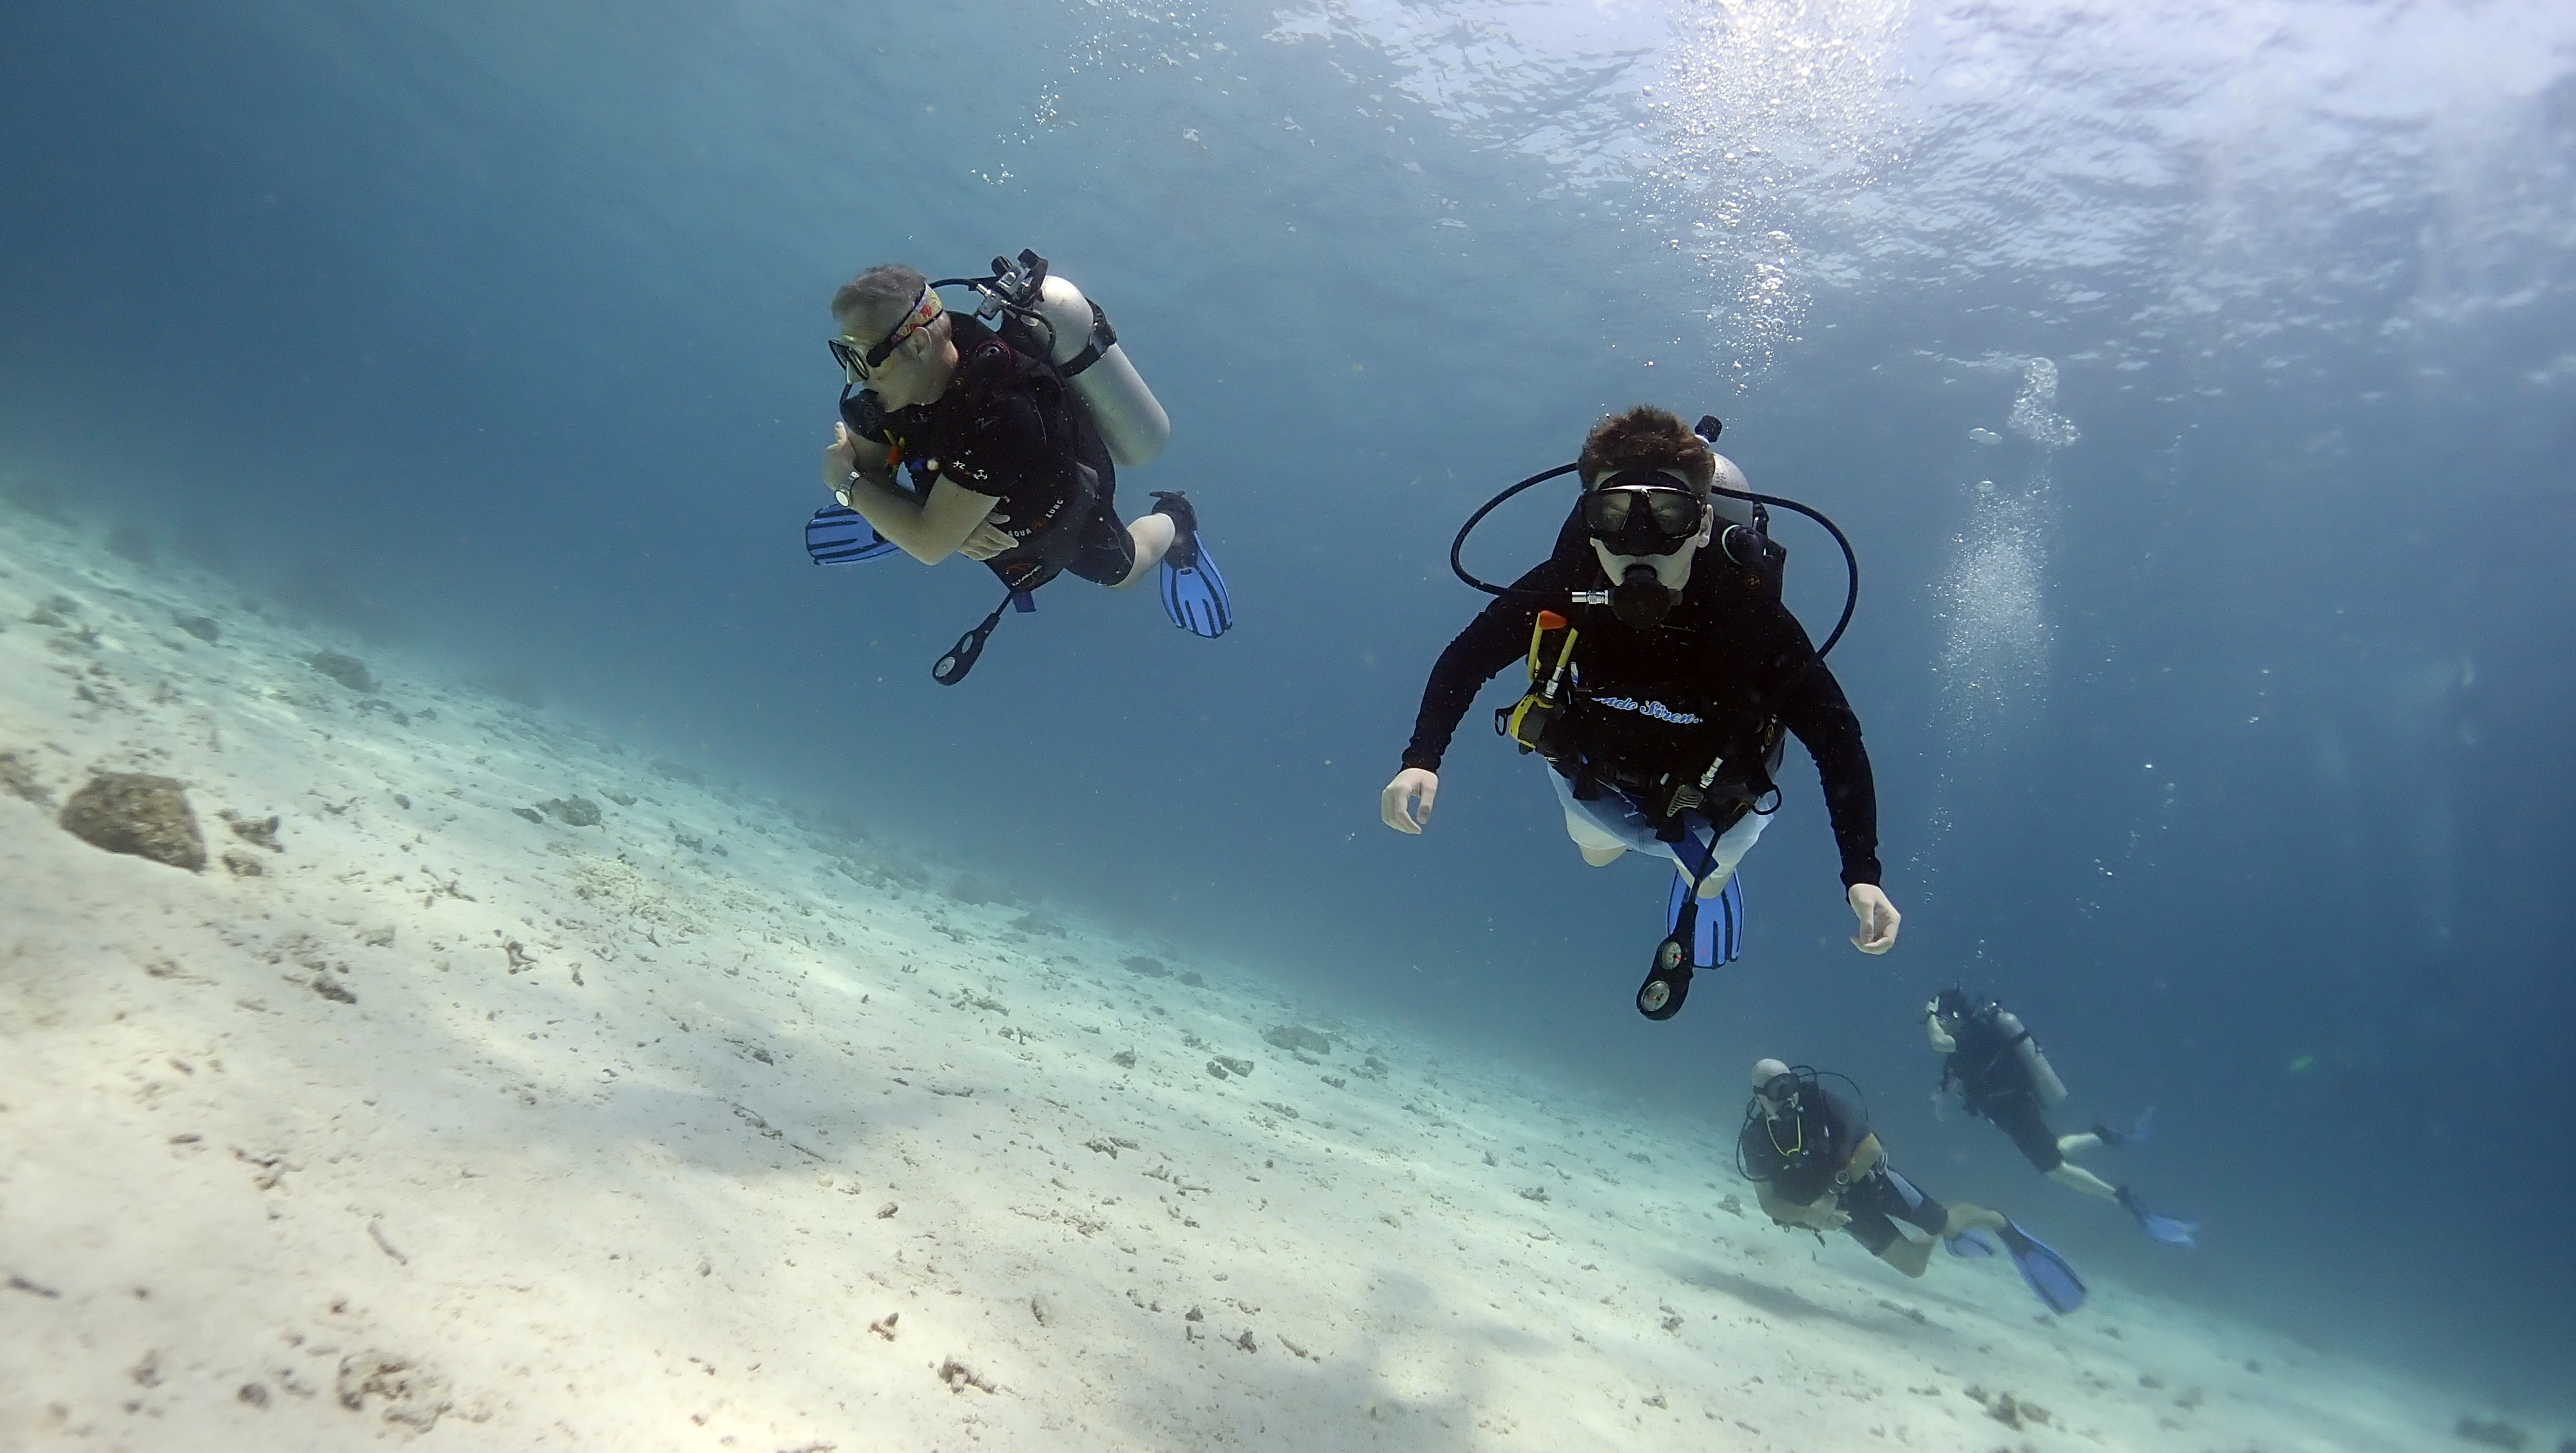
1907 1256
1154 532
2077 1178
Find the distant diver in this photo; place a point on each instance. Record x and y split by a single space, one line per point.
1816 1165
2002 1076
1661 675
1013 434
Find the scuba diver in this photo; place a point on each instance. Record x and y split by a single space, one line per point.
1816 1165
1013 434
1663 669
2002 1076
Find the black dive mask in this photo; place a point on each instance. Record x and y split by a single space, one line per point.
1640 600
1641 512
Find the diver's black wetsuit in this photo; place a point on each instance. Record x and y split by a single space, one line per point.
1005 428
1994 1083
1729 660
1800 1155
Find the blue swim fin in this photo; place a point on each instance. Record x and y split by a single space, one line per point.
2171 1230
838 536
2050 1277
1192 589
2135 1135
1715 926
1972 1244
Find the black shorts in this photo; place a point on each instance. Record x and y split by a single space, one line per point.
2018 1114
1107 552
1877 1201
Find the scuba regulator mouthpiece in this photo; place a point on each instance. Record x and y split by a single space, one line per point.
1641 599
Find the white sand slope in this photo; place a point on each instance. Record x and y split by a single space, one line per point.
694 1129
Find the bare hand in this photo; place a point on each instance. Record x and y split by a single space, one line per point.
987 539
1397 803
1878 918
840 456
1826 1215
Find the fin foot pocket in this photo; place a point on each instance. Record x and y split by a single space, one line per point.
2170 1230
1192 589
2135 1135
1175 506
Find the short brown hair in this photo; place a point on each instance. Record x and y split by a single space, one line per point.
879 298
1647 437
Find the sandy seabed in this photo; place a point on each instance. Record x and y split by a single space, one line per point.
441 1112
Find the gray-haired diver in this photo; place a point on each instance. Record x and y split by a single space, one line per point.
1664 677
1013 434
1815 1163
2002 1076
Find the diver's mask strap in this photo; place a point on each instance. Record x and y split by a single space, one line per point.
857 366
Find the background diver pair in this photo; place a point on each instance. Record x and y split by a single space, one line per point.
1817 1164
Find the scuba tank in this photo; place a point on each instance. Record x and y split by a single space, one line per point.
1736 508
2043 1079
1084 349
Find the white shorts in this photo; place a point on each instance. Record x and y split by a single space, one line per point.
1611 820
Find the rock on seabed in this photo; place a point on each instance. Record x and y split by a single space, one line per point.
138 814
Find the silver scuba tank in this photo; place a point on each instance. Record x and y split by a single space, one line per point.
2043 1079
1131 421
1733 511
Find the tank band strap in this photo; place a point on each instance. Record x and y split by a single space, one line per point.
1103 338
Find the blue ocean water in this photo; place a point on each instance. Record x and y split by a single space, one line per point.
2194 381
